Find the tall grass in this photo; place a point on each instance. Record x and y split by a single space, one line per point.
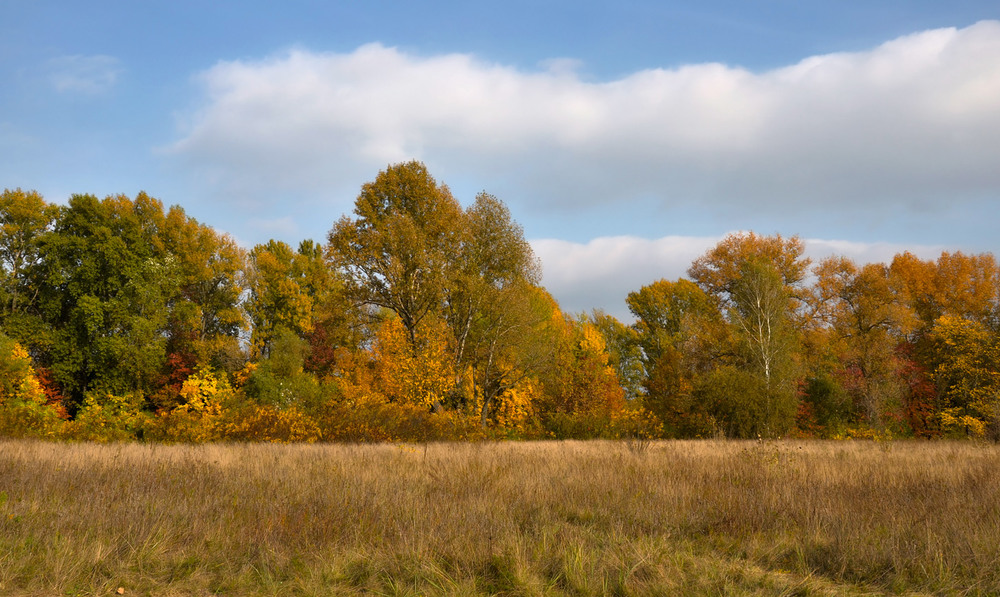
548 518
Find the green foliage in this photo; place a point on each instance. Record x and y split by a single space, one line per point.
396 253
279 380
829 404
122 286
624 352
743 406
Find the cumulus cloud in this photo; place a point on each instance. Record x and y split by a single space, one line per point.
910 123
89 75
601 273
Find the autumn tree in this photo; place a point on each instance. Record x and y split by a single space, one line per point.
967 287
582 379
420 377
398 250
515 337
967 375
492 305
207 314
758 282
493 257
280 297
411 249
681 334
24 218
863 308
721 268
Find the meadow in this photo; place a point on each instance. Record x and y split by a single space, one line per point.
531 518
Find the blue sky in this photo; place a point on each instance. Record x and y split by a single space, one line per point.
626 137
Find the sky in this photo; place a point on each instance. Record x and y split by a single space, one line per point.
627 137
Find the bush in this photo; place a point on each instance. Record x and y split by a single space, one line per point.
110 417
263 423
386 422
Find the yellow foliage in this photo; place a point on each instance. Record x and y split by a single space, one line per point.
23 408
204 392
968 371
592 341
421 373
955 423
110 417
514 409
267 424
198 418
244 374
24 384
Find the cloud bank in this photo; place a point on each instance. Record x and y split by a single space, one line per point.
912 123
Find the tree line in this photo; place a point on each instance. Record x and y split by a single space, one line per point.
419 319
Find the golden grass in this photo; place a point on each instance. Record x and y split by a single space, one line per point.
548 518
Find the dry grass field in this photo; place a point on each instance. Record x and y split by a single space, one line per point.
549 518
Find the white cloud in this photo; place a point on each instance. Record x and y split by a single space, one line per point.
601 273
912 123
89 75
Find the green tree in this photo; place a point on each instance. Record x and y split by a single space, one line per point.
760 312
682 336
106 287
488 297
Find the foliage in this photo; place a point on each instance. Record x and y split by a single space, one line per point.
396 253
625 354
967 375
279 380
373 421
24 408
419 374
111 418
264 423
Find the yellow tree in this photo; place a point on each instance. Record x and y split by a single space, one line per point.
967 286
23 407
24 217
419 377
967 375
